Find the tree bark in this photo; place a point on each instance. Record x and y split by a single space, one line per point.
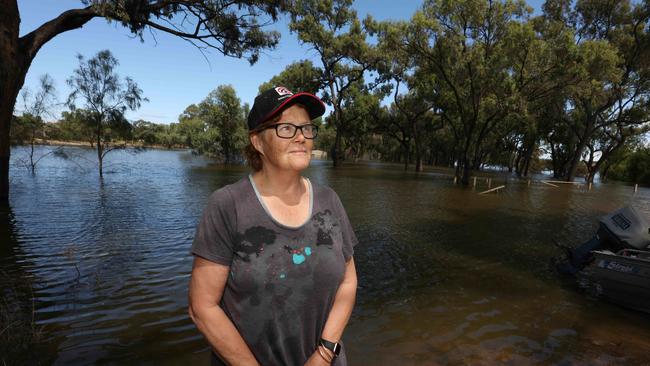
419 167
336 153
16 55
12 77
100 157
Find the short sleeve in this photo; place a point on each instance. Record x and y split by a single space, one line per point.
213 239
349 238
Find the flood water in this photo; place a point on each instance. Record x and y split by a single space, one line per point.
446 276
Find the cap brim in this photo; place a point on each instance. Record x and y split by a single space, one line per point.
315 107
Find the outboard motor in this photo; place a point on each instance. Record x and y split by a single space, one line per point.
623 229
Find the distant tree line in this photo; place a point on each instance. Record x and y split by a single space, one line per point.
469 85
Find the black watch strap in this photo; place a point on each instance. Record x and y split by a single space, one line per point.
332 346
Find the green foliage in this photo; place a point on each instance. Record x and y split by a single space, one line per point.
301 76
634 167
215 127
25 128
146 132
334 31
77 125
226 135
106 98
232 28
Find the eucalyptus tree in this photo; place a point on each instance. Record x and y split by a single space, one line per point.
299 76
462 45
334 32
394 125
223 113
106 97
543 59
611 99
232 28
398 67
361 107
146 131
192 127
75 127
35 108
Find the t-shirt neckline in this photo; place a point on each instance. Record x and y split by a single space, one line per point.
268 212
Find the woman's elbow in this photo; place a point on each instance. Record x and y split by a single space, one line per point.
190 311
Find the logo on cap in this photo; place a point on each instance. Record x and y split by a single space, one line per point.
283 92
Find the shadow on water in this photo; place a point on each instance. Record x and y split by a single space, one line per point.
21 339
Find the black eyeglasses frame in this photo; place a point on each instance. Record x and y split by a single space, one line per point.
295 131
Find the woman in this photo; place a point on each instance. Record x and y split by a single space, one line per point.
274 281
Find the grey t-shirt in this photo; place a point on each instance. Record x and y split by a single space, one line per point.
282 279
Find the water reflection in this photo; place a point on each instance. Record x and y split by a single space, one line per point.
446 276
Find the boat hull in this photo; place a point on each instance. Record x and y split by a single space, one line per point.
622 278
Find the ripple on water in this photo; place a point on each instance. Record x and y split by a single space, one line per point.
446 276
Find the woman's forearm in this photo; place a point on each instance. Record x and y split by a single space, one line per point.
222 336
343 304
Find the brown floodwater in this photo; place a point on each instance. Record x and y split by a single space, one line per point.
446 276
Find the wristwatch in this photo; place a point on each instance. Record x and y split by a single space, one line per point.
335 347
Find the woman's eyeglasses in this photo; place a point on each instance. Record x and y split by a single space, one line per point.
288 130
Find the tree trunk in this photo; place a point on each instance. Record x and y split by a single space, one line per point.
13 68
16 55
575 160
527 157
407 157
418 149
99 148
466 170
336 152
603 174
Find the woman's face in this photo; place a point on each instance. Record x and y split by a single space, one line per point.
286 153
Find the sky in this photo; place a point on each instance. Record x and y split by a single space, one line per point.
171 72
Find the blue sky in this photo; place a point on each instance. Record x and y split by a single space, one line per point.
172 73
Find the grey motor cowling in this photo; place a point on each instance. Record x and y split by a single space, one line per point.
625 228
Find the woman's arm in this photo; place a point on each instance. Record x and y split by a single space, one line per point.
206 288
340 312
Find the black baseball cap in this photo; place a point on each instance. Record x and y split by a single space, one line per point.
274 100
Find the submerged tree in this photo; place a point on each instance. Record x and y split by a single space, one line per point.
231 28
332 29
223 113
30 125
107 98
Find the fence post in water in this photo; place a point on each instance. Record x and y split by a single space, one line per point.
529 182
455 179
636 187
474 184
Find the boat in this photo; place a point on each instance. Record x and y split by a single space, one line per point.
615 263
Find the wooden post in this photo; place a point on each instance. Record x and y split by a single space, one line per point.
529 182
474 184
636 187
493 189
455 179
550 184
489 183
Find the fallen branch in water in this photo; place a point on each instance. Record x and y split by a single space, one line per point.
493 189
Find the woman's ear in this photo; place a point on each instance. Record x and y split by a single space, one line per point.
256 140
